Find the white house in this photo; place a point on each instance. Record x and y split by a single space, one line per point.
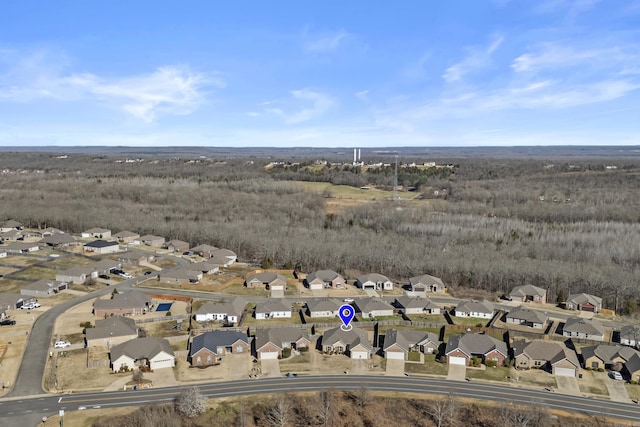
374 281
155 353
479 309
100 233
272 310
323 307
222 311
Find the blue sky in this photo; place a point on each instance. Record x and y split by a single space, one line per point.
335 74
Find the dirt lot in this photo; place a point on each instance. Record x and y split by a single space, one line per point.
36 273
13 340
69 261
19 260
71 373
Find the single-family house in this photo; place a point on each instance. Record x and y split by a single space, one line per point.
417 305
153 353
209 348
577 327
204 250
49 231
584 302
180 274
528 293
77 275
135 257
222 257
607 356
527 317
323 307
111 331
553 357
153 241
272 309
324 279
479 309
58 240
43 288
204 267
98 233
374 281
9 225
11 236
399 342
373 307
102 247
3 253
125 236
270 343
266 279
128 303
426 283
461 348
21 247
105 266
353 343
630 335
177 245
10 301
228 312
632 368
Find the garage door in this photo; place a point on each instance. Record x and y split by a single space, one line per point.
359 355
457 360
396 355
268 355
159 364
564 372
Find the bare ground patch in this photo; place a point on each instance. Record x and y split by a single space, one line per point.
71 373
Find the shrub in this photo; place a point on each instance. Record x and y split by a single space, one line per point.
168 313
303 349
286 352
600 369
491 363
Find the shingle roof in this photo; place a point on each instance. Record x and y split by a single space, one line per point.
271 306
100 244
352 337
124 234
366 305
475 344
98 231
278 336
409 302
552 352
584 298
42 285
407 338
214 339
234 306
115 326
324 275
474 306
525 290
132 299
426 279
58 239
373 277
631 332
527 314
141 348
323 304
607 353
584 326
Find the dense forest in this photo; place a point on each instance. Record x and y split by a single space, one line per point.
564 225
359 408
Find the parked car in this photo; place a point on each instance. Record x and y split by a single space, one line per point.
35 305
27 306
62 344
348 300
146 273
187 253
616 375
126 275
104 276
7 322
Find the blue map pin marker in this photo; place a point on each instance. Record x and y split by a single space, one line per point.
346 314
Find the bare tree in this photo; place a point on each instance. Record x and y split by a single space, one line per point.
326 407
281 413
137 376
190 402
442 410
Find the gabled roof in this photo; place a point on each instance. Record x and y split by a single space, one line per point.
475 307
141 348
471 344
323 304
266 277
278 336
42 285
527 290
409 302
373 277
407 338
583 326
224 253
630 332
234 306
568 355
132 254
271 306
527 314
98 230
21 246
214 339
425 279
176 242
633 364
104 264
584 299
324 275
10 223
9 299
115 326
151 237
553 352
125 233
608 353
58 239
76 271
352 337
100 244
131 299
181 272
366 305
204 248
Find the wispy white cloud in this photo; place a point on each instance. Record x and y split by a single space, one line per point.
477 58
362 95
169 90
324 43
303 105
561 55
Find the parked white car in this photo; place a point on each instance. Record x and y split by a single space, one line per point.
62 344
27 306
35 305
616 375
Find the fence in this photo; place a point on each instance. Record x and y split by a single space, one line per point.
161 318
97 363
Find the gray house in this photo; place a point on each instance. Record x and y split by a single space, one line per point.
526 317
576 327
43 288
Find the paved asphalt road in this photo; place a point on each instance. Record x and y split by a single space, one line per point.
36 407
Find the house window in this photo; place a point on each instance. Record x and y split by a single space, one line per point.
209 359
198 360
594 365
538 363
495 359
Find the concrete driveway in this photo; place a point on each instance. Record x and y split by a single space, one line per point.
457 372
395 368
359 366
617 390
371 293
270 368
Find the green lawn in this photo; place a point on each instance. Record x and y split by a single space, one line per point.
430 366
413 356
469 321
591 383
432 318
494 374
252 321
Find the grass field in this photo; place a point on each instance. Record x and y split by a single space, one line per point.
429 367
592 384
36 273
18 260
347 192
240 289
252 321
70 261
493 374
